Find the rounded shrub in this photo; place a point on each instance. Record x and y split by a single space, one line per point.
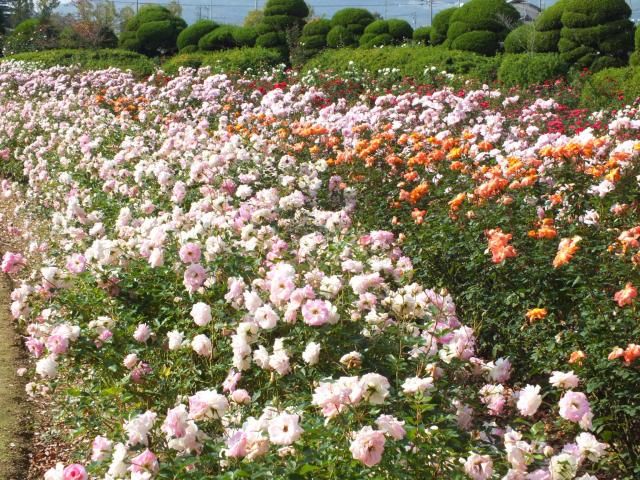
527 69
634 59
585 13
291 8
317 27
520 40
189 49
380 40
270 40
244 36
422 35
550 18
546 42
378 27
483 42
399 29
492 15
340 36
440 25
155 29
279 23
191 35
313 42
356 17
218 39
458 28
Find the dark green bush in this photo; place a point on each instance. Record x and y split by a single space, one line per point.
339 37
193 33
189 49
458 28
520 40
611 87
482 42
358 18
91 59
30 36
234 60
492 15
156 31
399 29
440 25
270 40
527 69
317 27
377 28
422 35
279 23
411 61
292 8
244 36
586 13
546 42
314 42
218 39
550 18
636 36
378 41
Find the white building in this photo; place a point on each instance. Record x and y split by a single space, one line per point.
528 11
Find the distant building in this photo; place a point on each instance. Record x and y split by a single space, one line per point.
528 11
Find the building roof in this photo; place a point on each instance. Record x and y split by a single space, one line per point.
528 11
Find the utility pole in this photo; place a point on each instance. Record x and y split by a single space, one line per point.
430 12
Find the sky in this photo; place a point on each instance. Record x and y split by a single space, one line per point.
416 12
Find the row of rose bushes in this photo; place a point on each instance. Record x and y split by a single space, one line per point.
224 290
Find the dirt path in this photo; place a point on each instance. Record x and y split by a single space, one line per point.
14 419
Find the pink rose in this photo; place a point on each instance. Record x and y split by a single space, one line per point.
368 446
74 472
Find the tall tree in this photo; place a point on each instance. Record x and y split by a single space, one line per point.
46 7
85 10
106 14
19 11
124 15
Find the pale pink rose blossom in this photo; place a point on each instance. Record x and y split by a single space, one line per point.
201 314
479 467
284 429
368 446
391 426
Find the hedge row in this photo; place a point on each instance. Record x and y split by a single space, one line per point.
411 61
234 60
139 64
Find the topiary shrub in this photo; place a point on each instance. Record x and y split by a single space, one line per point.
191 35
314 38
440 25
317 27
31 35
285 19
353 19
244 36
156 31
270 40
547 26
595 33
422 35
483 42
377 40
339 37
520 40
527 69
400 30
291 8
494 16
189 49
218 39
378 27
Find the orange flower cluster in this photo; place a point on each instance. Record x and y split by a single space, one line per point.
577 356
535 314
629 354
566 250
626 295
545 230
630 238
499 245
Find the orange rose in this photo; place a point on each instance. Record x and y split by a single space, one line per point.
535 314
626 295
577 357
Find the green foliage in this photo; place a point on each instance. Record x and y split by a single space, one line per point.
422 35
546 41
354 19
189 49
634 59
377 28
491 15
31 35
270 40
372 40
440 25
411 61
339 37
218 39
587 13
293 8
91 60
482 42
527 69
280 23
244 36
550 18
233 60
156 31
317 27
194 32
399 29
520 40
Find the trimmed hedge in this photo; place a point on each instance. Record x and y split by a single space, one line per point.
400 29
237 60
422 35
191 35
483 42
244 36
520 40
385 32
480 25
292 8
317 27
550 18
440 25
340 36
90 59
353 19
596 34
526 69
153 30
411 61
219 39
